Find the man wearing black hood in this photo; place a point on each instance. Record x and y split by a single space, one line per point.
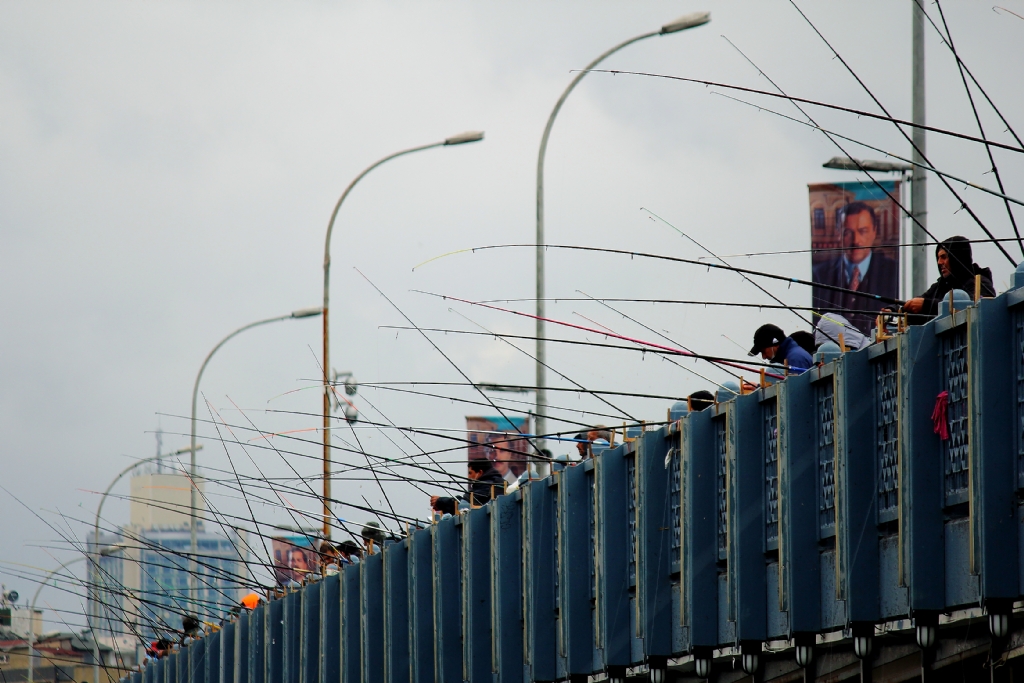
957 270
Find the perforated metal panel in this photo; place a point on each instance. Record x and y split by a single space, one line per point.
631 511
824 399
955 449
1018 324
675 498
887 435
722 452
769 419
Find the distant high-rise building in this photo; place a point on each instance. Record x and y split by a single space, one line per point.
144 590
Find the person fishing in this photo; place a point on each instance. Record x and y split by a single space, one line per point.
773 345
483 478
957 270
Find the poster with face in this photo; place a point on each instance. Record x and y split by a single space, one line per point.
294 558
855 228
498 439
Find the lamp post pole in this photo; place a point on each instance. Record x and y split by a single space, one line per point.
472 136
680 24
194 490
918 186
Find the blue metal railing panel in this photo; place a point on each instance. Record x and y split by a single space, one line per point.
700 535
1018 362
330 630
476 595
257 644
824 400
575 551
197 661
506 588
994 424
397 615
242 630
421 606
921 520
792 608
292 635
613 531
748 432
226 664
956 449
539 565
447 560
887 414
655 551
309 639
770 448
371 616
351 666
275 641
212 660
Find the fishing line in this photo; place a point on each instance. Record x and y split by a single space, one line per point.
926 167
977 118
963 204
533 358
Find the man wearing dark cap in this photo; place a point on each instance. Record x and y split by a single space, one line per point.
957 270
773 345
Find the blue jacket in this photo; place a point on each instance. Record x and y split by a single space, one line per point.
789 350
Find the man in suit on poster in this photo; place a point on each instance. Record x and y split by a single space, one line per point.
859 268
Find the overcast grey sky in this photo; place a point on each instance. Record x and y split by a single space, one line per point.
167 172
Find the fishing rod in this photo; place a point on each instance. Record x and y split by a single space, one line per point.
977 117
762 289
443 354
925 167
679 352
670 360
826 249
533 358
820 312
858 112
834 141
674 259
908 138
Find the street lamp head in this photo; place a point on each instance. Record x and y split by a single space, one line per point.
112 549
686 21
307 312
850 164
462 138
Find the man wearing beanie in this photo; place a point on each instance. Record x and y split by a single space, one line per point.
957 270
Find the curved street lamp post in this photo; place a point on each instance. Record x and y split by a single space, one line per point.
102 552
463 138
680 24
194 490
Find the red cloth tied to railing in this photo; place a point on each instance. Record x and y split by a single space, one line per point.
940 423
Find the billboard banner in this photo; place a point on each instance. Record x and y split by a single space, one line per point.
498 439
855 228
294 558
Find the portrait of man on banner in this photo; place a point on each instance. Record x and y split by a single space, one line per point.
854 233
295 558
498 439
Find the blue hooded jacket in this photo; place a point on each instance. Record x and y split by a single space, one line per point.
799 359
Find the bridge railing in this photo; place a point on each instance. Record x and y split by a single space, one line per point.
830 502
